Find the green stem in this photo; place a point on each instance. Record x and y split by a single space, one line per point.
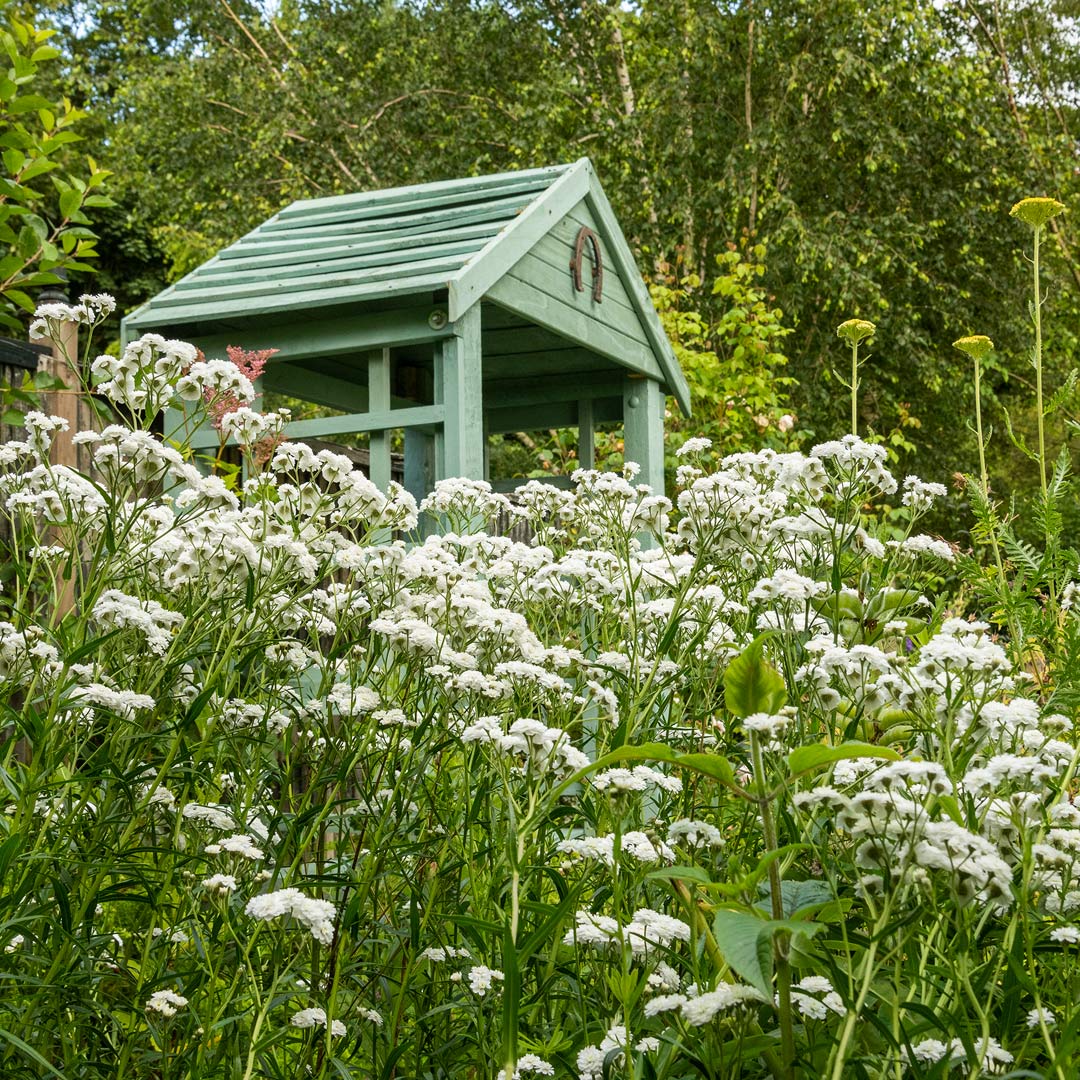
855 388
1038 368
780 940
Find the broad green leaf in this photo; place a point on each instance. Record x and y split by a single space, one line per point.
805 759
745 944
797 896
681 873
752 684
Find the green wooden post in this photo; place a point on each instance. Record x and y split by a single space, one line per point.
419 467
643 430
379 401
586 443
459 389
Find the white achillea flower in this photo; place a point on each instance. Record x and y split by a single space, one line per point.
640 847
247 426
40 430
236 845
439 953
592 929
924 545
919 495
1040 1017
122 702
372 1015
316 916
694 833
664 1003
789 586
621 781
926 1052
1066 935
219 377
214 815
816 1008
14 944
174 937
166 1003
602 848
697 1011
599 848
533 1065
222 884
116 610
316 1017
770 728
481 979
696 445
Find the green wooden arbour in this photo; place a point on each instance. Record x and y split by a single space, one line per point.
449 311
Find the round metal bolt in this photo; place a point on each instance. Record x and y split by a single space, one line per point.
634 401
437 319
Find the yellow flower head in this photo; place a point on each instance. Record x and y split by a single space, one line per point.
855 330
1037 212
977 346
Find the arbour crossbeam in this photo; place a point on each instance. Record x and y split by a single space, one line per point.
449 311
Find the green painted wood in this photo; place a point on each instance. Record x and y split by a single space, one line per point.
284 252
505 392
312 264
506 249
476 187
499 318
586 443
208 308
421 224
560 374
554 414
459 386
424 416
643 430
415 204
557 284
529 301
302 282
419 464
506 206
555 253
526 339
379 395
315 386
333 337
623 258
511 484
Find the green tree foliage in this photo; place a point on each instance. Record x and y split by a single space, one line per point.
873 145
44 228
734 365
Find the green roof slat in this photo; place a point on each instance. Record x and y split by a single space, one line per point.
363 211
235 256
217 291
317 264
397 195
214 308
454 216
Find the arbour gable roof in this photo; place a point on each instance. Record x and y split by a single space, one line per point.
461 235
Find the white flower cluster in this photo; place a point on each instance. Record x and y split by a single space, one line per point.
166 1003
316 916
116 610
316 1017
